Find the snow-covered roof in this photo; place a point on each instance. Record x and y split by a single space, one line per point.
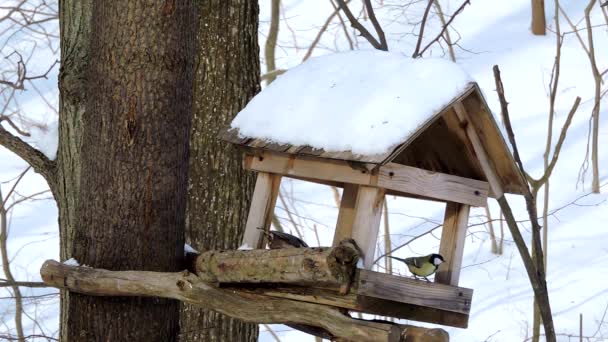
364 102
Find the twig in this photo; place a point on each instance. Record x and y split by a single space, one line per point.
445 27
322 30
422 26
446 37
380 45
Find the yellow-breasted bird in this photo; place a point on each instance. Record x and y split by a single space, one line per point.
423 266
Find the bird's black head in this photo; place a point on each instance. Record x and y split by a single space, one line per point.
436 259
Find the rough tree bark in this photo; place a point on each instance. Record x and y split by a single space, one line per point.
75 28
132 157
227 77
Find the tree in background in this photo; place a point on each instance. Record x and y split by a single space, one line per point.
227 77
538 17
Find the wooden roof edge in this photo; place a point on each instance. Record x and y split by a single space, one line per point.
511 188
397 150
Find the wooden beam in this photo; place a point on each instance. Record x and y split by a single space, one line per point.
346 215
396 177
366 222
452 243
262 208
486 165
433 184
188 288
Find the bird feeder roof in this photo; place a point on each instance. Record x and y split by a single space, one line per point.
373 108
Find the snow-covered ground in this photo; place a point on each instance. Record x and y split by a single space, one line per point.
491 32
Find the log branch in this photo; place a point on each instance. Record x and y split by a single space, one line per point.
189 288
329 267
32 156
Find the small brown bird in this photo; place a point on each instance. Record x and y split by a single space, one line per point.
278 240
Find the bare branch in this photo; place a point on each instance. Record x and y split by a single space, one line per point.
32 156
380 45
271 40
32 284
322 30
422 27
534 265
445 27
377 27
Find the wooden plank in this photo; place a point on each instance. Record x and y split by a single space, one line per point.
401 178
366 222
411 291
494 143
433 184
346 215
386 295
320 169
452 243
262 207
486 164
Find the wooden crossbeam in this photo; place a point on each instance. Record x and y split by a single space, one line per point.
393 177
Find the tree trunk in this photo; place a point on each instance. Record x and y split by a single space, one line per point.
132 157
227 77
538 17
75 28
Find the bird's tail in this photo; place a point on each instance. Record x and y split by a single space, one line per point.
402 260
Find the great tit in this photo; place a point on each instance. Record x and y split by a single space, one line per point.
278 240
423 266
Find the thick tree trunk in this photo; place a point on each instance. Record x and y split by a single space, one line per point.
133 159
227 77
75 28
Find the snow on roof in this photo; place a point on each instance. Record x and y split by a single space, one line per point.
366 102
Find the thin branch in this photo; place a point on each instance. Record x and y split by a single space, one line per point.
377 27
359 27
422 27
534 265
32 284
445 27
271 41
322 30
446 36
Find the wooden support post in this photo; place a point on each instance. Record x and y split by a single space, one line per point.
366 223
262 208
452 243
346 215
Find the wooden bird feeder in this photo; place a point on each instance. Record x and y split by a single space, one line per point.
453 157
